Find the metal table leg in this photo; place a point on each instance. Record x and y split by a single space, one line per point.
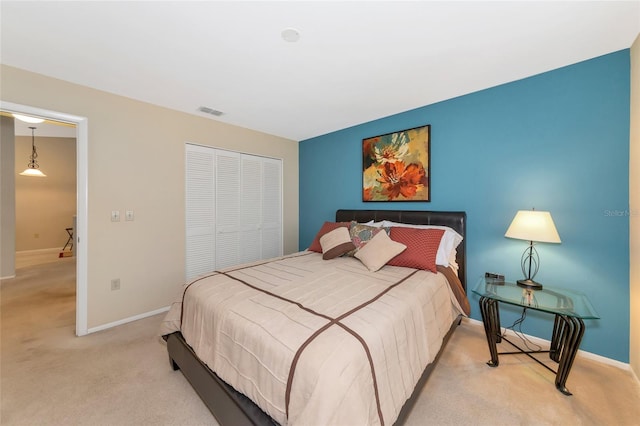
69 240
557 339
565 342
491 321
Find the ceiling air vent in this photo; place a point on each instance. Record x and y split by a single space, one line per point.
211 111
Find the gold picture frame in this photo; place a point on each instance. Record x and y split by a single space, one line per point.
396 166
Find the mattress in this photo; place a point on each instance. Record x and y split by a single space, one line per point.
315 341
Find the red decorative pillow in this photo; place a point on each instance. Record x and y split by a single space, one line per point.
422 247
326 227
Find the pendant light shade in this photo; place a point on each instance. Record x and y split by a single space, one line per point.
33 169
27 118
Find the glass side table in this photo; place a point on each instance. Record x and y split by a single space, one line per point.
570 309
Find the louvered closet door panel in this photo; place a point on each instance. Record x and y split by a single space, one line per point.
271 243
271 208
227 183
251 208
200 213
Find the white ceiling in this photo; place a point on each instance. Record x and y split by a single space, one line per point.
355 61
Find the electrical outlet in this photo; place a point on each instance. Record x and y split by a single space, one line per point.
115 284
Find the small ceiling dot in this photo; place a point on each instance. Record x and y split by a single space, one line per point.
291 35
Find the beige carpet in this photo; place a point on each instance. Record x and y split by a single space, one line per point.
122 376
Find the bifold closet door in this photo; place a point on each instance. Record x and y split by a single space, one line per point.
200 211
250 209
244 221
271 221
228 208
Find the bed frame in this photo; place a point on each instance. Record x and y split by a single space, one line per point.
230 407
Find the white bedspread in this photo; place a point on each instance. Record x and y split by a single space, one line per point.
360 361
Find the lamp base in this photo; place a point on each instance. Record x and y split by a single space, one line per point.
530 284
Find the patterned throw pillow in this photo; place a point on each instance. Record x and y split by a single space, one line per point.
361 234
450 241
422 247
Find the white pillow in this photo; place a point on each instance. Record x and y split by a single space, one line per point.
378 251
376 224
453 264
448 244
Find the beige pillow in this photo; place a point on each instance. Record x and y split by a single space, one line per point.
336 243
378 251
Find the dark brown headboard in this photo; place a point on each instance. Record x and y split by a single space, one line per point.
454 220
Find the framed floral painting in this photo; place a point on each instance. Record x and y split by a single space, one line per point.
396 166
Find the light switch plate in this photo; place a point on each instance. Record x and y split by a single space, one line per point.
129 215
115 216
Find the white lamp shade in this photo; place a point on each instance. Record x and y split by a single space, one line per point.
533 225
33 172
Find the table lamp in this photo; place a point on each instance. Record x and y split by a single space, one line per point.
532 226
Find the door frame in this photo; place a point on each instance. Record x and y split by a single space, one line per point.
82 206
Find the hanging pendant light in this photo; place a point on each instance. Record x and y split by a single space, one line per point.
33 169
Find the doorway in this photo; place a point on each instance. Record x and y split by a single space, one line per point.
80 235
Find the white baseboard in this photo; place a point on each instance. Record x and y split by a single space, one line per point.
635 376
37 251
126 320
8 277
581 353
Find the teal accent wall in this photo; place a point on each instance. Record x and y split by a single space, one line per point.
557 141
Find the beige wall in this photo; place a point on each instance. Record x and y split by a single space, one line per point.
634 205
136 162
45 206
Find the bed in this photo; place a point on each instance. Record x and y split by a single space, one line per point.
327 336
